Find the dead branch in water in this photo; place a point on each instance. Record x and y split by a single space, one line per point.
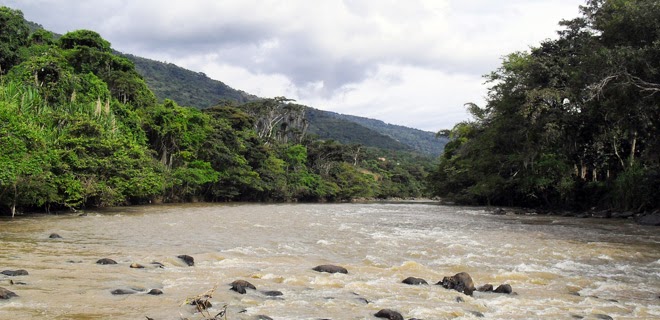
202 303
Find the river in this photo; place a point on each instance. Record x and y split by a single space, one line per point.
560 268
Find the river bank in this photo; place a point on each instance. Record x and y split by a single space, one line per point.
644 218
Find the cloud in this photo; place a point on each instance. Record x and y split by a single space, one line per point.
372 58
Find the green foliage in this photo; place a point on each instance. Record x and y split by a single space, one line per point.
572 123
331 126
186 87
84 38
342 127
14 34
24 160
79 128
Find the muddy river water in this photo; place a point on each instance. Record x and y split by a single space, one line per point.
560 268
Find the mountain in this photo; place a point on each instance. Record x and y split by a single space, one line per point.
187 88
327 126
421 141
195 89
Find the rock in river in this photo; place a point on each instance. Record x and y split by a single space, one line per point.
461 282
106 261
240 286
155 292
485 288
6 294
414 281
330 269
388 314
503 288
14 273
122 291
187 259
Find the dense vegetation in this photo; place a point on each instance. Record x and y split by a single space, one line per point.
79 127
573 123
195 89
189 88
420 141
327 126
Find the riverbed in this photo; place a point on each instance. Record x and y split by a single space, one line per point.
558 267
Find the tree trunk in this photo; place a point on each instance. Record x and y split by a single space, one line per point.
632 149
13 203
616 152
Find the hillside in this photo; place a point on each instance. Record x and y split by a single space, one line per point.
326 126
421 141
186 87
195 89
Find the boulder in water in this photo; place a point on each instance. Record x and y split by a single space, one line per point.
414 281
503 288
461 282
155 292
122 291
54 236
498 211
6 294
14 273
485 288
137 266
187 259
388 314
330 269
106 261
273 293
240 286
652 219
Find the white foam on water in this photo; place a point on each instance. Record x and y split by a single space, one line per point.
573 266
344 227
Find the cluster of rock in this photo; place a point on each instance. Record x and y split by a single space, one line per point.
461 282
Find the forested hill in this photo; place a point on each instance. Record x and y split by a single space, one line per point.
195 89
327 126
421 141
184 86
80 128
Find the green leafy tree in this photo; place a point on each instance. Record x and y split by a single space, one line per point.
14 34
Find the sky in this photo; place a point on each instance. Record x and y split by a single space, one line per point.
410 62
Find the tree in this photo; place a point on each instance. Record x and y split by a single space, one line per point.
572 115
14 34
24 160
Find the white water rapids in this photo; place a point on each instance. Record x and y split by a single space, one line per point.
560 268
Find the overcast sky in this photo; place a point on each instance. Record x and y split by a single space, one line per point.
408 62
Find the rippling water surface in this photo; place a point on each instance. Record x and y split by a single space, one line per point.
560 268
